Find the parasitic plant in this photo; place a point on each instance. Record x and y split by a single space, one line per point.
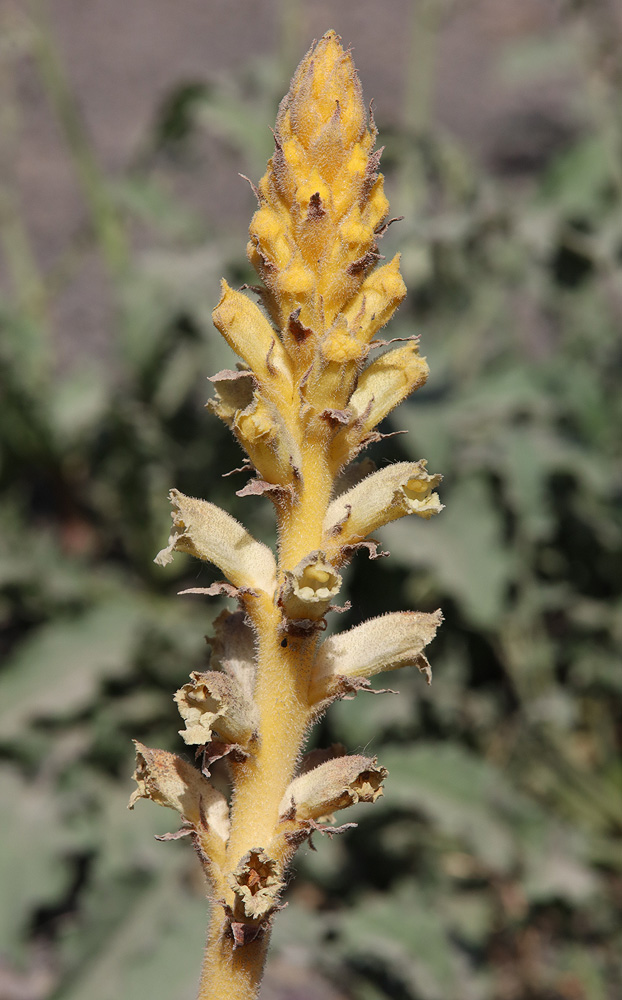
304 402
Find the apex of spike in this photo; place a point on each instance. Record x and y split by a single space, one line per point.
321 201
325 92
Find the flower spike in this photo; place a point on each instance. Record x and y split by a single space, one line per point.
306 398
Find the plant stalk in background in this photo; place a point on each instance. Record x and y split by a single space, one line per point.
304 402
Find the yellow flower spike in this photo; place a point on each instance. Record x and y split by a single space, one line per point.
303 403
322 186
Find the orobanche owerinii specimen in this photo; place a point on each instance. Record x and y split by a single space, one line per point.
303 403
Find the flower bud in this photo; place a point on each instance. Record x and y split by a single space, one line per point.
338 360
373 306
262 432
386 382
250 335
320 203
382 386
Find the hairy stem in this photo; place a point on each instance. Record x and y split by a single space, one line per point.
234 974
281 693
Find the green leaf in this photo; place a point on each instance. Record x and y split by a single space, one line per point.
78 405
155 949
461 794
406 934
576 180
57 671
36 841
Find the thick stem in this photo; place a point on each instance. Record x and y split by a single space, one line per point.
281 698
228 972
284 665
300 531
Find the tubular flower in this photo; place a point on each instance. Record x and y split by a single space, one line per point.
305 400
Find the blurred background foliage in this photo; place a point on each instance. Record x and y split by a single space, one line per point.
492 868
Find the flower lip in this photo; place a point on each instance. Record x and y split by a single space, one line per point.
309 587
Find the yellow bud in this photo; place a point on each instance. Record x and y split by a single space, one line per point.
266 225
314 186
374 305
297 283
262 431
382 386
294 153
377 207
356 233
386 382
248 332
337 363
358 161
340 347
